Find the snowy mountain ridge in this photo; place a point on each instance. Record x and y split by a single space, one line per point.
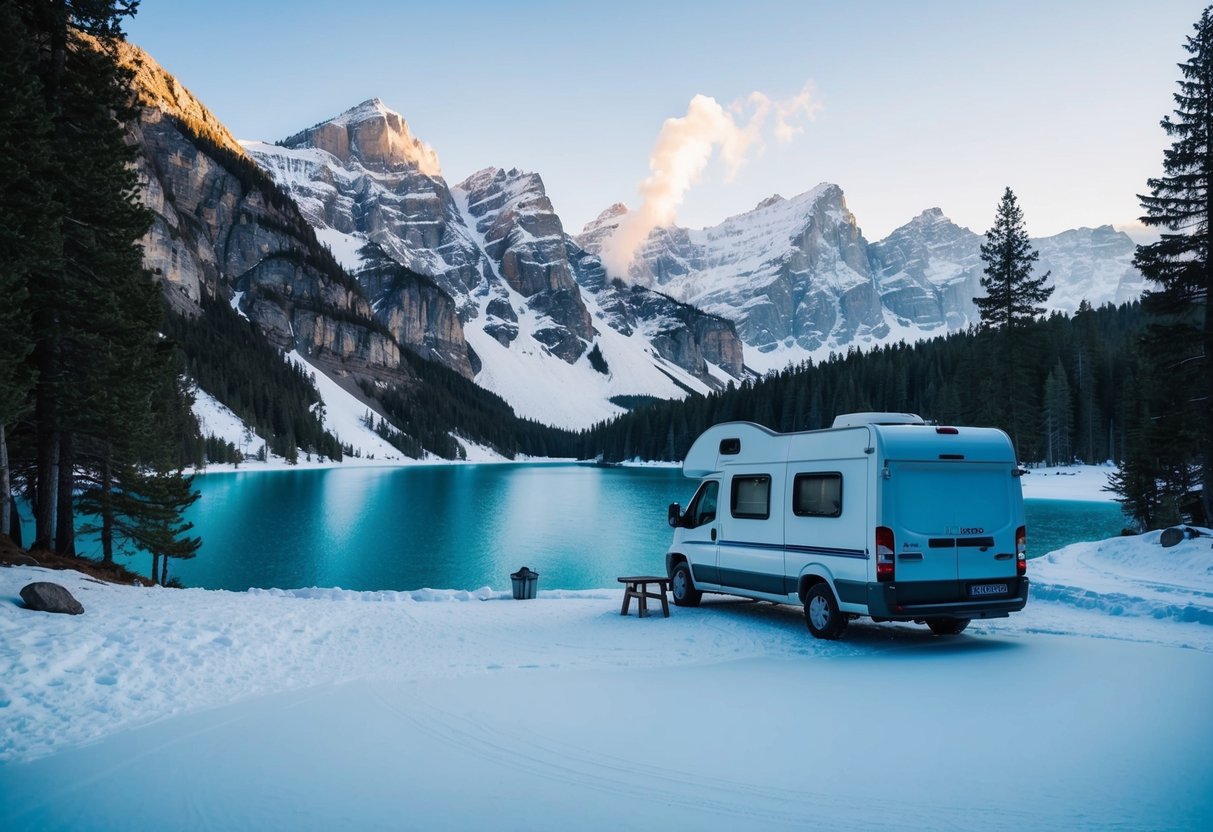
800 280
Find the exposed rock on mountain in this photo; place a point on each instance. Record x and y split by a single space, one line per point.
522 236
792 273
929 271
679 333
376 137
221 226
417 311
1091 263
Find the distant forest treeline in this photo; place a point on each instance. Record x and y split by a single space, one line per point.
1080 379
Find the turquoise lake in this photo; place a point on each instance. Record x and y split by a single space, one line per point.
468 526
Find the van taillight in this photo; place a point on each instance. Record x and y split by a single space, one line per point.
884 553
1021 551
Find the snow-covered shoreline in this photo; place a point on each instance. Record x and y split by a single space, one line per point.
1084 483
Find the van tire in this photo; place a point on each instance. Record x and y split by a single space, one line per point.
682 587
821 613
947 626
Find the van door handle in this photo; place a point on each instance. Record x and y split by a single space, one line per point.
713 534
1003 556
910 556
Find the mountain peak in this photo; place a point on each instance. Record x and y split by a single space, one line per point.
372 134
617 209
773 199
931 216
601 227
369 109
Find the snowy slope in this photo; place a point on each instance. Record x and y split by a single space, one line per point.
434 709
342 416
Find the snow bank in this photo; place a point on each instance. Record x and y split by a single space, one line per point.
1132 577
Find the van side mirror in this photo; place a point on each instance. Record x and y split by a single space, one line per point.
675 515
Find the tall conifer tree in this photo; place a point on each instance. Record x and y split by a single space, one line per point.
106 381
29 227
1013 296
1178 438
1012 301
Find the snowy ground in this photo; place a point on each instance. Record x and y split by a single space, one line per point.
320 709
1071 482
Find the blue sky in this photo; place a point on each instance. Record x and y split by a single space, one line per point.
920 104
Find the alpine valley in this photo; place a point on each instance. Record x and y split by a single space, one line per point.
348 250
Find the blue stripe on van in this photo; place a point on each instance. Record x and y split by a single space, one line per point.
811 550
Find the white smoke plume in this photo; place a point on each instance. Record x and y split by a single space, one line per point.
683 149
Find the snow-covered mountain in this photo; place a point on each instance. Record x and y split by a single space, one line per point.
507 297
487 281
800 280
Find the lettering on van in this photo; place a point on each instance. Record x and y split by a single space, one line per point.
966 530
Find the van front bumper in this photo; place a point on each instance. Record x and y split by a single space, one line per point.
916 601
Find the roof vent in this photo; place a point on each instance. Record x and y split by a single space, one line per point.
851 420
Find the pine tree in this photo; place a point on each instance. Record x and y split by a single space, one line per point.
1012 301
1181 264
1012 294
107 409
29 227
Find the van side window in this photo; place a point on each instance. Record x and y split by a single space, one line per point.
817 495
752 496
703 506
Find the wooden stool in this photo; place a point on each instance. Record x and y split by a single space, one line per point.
637 586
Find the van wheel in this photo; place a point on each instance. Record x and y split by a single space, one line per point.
682 587
821 613
947 626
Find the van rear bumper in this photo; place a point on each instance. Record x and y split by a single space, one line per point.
906 602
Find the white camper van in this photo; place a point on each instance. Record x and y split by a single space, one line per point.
880 515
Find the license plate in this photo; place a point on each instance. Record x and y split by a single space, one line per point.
976 590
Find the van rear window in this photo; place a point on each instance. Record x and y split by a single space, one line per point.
752 496
817 495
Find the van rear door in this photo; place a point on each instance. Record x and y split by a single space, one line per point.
953 520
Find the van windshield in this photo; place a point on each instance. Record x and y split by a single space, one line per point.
948 497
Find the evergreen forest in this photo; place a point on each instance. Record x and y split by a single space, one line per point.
1081 385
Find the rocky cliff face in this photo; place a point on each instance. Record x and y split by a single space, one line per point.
1095 264
386 197
220 226
522 236
929 272
419 314
683 335
793 274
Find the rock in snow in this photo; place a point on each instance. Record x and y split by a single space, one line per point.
44 596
